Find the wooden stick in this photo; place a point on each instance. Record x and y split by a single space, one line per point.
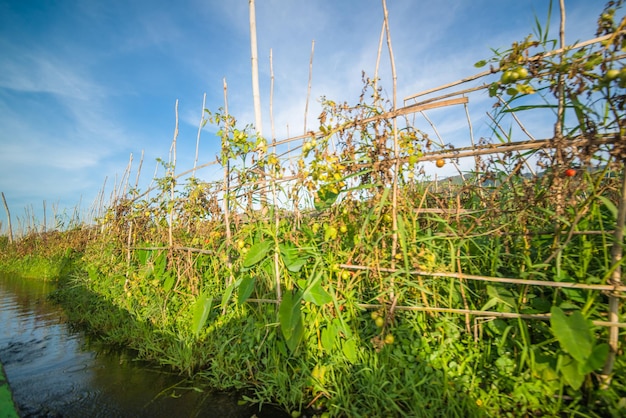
200 126
542 317
6 208
495 70
616 282
308 92
564 285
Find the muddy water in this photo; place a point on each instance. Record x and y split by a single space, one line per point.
57 372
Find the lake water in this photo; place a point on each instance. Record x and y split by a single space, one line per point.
55 371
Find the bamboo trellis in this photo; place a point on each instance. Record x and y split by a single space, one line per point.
230 189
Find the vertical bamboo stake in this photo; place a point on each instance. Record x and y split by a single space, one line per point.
308 92
616 280
226 165
138 173
202 121
273 133
255 70
273 184
44 217
258 122
171 170
396 150
6 208
380 48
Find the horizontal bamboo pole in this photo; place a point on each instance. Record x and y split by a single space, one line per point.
175 248
541 317
474 312
478 150
563 285
387 115
495 70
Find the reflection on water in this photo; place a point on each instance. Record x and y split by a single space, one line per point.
54 372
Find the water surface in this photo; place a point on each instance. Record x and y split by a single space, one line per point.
55 371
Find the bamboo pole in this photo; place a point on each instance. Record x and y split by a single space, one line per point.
6 208
531 59
543 317
396 149
616 282
256 96
308 92
226 184
201 125
563 285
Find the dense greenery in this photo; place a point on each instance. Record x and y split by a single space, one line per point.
340 309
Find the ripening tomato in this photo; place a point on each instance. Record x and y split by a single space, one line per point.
440 163
570 172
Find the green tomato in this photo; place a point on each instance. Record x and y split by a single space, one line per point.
330 233
521 72
507 77
389 339
622 74
379 322
612 74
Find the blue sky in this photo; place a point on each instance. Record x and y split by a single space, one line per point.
85 83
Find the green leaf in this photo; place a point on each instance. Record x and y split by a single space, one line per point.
142 256
257 253
596 360
573 333
328 338
169 283
609 205
229 292
480 64
201 310
317 295
246 287
290 318
349 350
569 370
325 199
291 258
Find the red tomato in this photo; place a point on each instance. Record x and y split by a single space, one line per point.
570 172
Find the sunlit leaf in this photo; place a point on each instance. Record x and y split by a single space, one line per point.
201 309
328 336
169 283
596 360
480 64
257 253
317 295
246 287
349 350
